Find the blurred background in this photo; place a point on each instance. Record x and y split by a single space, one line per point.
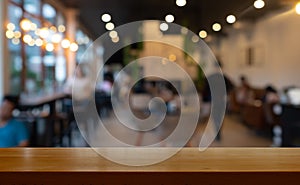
255 42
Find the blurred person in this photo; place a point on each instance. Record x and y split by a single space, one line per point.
103 94
169 94
79 86
122 87
284 98
228 84
270 98
244 92
151 88
12 133
106 85
271 95
216 77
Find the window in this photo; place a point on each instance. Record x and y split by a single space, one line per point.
32 6
15 14
49 13
37 60
83 43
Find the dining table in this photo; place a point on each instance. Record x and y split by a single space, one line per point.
189 166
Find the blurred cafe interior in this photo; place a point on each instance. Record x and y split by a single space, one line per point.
72 71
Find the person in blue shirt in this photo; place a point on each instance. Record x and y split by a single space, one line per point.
12 132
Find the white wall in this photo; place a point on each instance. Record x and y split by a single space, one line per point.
276 39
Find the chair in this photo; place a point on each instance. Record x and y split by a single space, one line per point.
290 125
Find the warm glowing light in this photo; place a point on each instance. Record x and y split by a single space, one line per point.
39 42
298 8
53 28
231 19
37 32
15 41
109 26
73 47
33 26
56 38
61 28
169 18
113 34
31 43
11 26
172 58
17 34
184 30
9 34
49 47
25 24
65 43
180 3
27 38
202 34
44 32
164 26
195 38
217 27
259 4
115 40
106 17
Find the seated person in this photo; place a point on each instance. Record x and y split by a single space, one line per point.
244 93
168 93
151 88
271 95
12 132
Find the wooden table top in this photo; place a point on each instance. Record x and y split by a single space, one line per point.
187 160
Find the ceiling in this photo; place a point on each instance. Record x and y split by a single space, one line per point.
196 15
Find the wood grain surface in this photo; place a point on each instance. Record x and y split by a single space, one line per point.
188 166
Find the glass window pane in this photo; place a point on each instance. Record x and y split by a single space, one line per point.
49 13
15 68
14 47
33 56
14 14
60 69
32 6
83 42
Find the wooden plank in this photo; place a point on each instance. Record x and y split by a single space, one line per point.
189 166
187 160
